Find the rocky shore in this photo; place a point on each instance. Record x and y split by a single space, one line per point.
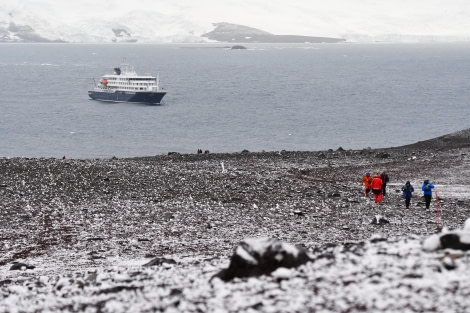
71 218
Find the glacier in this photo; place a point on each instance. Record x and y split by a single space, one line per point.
184 21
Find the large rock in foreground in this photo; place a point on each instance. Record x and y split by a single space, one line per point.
457 239
256 257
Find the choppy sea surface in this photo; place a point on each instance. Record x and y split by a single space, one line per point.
267 97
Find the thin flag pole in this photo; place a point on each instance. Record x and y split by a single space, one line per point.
438 213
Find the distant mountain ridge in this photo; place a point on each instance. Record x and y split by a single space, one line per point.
189 21
223 32
238 33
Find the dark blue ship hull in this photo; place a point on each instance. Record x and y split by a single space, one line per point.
121 96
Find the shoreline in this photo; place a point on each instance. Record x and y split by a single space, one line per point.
455 140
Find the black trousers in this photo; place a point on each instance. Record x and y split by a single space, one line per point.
407 202
427 199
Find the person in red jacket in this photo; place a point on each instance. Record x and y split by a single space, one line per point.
377 188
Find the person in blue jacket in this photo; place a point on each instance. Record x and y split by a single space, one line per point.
427 190
407 193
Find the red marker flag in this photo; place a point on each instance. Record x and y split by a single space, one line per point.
438 213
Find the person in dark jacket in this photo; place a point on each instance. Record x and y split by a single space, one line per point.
385 180
427 191
407 193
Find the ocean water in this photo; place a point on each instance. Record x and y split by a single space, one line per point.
267 97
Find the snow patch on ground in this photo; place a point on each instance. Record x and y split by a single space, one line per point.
395 275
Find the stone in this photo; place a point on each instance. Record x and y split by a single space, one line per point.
379 220
159 261
256 257
452 241
18 266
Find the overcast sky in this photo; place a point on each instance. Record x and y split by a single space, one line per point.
301 17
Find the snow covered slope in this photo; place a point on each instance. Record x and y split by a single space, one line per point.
187 20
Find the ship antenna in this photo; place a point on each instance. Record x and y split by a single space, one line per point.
124 66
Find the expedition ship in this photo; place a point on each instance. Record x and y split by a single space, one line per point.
124 85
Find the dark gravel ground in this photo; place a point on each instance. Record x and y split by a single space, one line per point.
205 204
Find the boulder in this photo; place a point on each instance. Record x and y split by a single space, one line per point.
18 266
159 261
256 257
382 155
454 241
457 239
380 220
